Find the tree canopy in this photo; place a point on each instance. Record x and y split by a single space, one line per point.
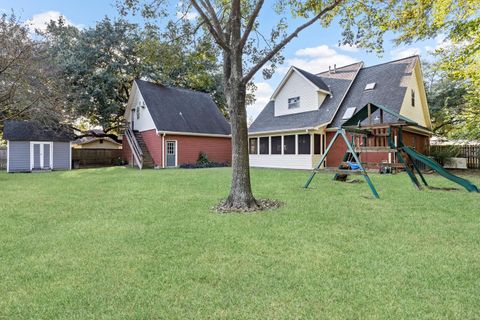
98 65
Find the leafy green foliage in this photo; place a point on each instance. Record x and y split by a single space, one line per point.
28 89
99 64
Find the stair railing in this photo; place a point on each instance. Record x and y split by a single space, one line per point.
134 146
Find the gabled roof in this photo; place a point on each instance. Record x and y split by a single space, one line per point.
86 140
182 110
339 83
347 86
14 130
362 115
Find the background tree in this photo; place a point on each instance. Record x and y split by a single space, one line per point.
455 95
28 89
99 64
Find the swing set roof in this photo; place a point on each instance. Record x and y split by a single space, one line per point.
361 115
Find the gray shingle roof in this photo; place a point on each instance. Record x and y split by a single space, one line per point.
316 80
182 110
14 130
338 82
391 79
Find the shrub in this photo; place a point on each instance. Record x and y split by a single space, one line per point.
442 154
203 162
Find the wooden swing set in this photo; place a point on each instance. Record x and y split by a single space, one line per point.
367 137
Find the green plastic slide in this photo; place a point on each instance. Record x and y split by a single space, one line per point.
439 169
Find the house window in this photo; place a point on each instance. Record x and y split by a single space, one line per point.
303 144
289 145
294 103
276 145
101 141
413 98
138 113
253 146
264 145
317 144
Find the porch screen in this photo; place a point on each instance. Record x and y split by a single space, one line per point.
276 145
289 145
303 144
264 145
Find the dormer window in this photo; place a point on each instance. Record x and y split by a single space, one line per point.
348 113
293 103
413 98
370 86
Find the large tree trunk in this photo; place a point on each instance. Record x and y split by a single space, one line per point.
241 197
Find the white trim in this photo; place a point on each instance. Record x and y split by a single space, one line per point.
70 157
306 129
163 150
8 156
194 134
42 158
176 153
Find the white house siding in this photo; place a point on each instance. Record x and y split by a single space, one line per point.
145 121
297 86
61 156
287 161
18 156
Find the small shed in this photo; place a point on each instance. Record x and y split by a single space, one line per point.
32 146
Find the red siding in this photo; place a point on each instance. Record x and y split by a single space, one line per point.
218 149
154 145
126 151
418 141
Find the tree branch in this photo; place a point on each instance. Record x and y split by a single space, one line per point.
282 44
250 24
217 35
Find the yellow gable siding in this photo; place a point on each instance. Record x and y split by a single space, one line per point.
97 145
419 112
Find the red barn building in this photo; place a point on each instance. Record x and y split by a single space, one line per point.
168 126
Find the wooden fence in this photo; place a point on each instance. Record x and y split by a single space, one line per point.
95 157
471 153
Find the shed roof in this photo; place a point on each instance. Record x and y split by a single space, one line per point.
15 130
182 110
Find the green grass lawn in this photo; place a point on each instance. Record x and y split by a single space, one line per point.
120 243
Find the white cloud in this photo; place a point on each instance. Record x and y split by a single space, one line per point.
404 52
317 59
262 97
187 15
349 48
40 21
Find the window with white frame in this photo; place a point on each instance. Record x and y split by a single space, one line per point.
303 144
253 146
293 103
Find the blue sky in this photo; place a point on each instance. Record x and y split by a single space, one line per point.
314 50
